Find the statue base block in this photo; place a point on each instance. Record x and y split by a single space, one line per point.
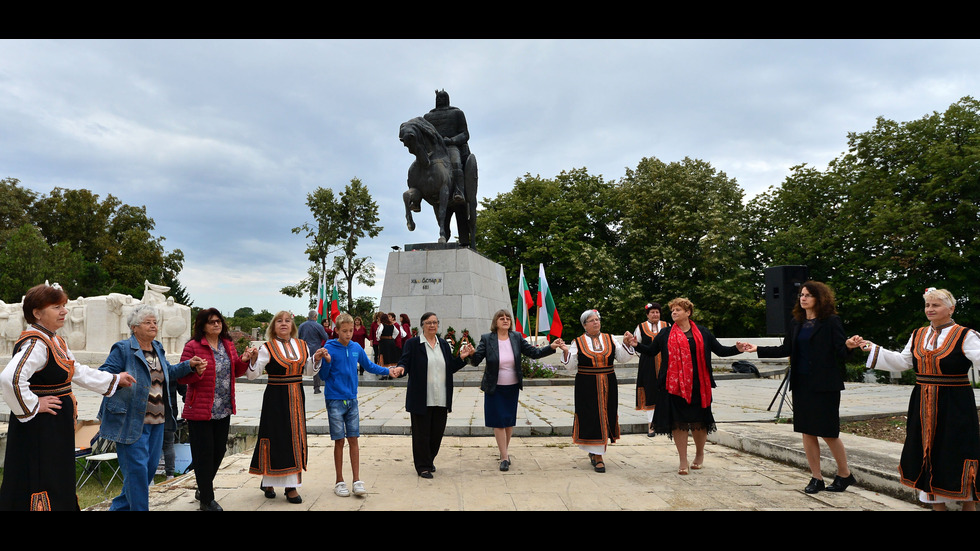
462 287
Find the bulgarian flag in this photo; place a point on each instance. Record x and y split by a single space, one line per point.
548 319
334 303
524 301
321 294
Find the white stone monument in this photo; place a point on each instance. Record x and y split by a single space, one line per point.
462 287
94 324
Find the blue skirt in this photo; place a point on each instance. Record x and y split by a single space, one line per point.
500 408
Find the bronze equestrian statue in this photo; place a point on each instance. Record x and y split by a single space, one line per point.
444 172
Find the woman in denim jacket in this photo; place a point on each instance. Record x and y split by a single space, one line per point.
134 417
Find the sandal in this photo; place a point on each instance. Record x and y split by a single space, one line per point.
600 467
592 458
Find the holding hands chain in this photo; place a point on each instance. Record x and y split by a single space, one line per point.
250 353
855 341
198 364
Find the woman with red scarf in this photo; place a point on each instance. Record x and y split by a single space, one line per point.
684 400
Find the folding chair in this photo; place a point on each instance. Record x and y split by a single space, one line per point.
103 451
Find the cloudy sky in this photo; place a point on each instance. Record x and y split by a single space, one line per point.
222 140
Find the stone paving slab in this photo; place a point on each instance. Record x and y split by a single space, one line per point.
547 474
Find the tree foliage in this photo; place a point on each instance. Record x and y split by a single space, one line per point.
90 246
339 225
899 211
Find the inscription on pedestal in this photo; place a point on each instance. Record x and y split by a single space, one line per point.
429 284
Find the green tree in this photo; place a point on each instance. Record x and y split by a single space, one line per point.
26 260
569 224
15 204
339 225
94 246
898 212
244 312
682 235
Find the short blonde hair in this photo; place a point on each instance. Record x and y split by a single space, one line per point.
683 303
270 332
344 317
941 294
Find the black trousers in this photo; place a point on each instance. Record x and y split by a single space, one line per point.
427 431
208 440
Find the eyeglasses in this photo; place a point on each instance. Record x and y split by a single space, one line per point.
214 322
430 322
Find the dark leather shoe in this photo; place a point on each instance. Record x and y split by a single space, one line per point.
814 486
295 499
425 474
269 492
213 506
505 465
840 484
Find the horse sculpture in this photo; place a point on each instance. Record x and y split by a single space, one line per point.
430 178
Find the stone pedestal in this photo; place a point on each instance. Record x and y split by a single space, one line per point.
462 287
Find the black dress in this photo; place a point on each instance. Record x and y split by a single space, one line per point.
648 368
942 443
817 351
39 468
388 346
281 448
674 412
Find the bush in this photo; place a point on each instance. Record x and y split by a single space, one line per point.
536 369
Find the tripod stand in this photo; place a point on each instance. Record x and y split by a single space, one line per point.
781 394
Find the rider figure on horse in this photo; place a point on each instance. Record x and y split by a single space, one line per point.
451 124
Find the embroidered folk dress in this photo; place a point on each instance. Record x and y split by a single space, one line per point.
648 368
280 454
596 390
39 471
942 443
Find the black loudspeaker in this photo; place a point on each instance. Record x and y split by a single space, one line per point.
782 289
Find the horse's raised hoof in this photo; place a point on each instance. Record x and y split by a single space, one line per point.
442 240
459 199
416 208
411 226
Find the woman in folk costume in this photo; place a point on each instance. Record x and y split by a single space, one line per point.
649 364
685 382
389 335
39 468
596 390
942 442
280 453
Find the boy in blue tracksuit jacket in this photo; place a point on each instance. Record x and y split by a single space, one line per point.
339 375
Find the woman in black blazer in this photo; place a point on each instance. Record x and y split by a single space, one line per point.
503 378
429 408
816 347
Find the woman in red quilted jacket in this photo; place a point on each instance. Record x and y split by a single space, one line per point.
210 399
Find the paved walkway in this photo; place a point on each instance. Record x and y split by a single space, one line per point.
752 463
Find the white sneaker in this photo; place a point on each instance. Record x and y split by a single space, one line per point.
341 489
359 488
